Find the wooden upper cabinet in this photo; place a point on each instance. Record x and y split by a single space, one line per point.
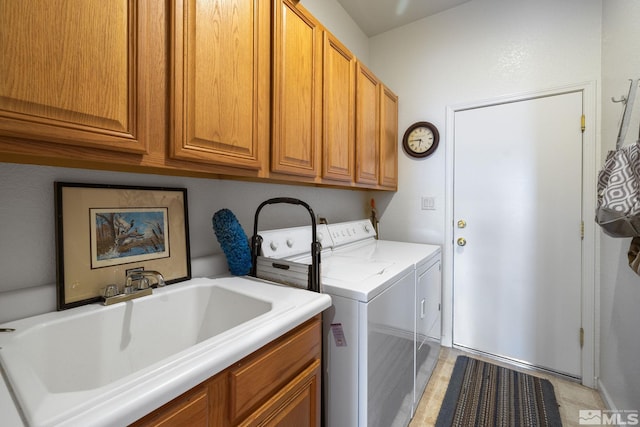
388 138
297 91
338 139
220 61
71 72
248 88
367 126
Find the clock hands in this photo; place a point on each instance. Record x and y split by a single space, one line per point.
419 140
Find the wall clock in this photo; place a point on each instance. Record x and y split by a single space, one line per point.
420 139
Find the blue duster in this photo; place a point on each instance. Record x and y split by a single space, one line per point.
234 242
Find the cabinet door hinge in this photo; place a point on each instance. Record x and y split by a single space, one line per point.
582 123
582 230
581 337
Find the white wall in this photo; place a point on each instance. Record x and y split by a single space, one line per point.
619 285
332 15
490 48
480 50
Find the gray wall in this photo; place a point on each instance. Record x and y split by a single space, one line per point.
619 285
27 235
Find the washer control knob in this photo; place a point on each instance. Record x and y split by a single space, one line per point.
273 245
290 242
367 228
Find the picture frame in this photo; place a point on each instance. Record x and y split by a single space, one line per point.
103 231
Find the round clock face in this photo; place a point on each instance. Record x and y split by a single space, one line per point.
420 139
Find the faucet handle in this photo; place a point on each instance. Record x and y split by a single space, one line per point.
111 291
129 286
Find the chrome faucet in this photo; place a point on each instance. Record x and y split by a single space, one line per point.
139 279
136 285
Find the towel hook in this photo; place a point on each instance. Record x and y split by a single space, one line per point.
626 112
622 97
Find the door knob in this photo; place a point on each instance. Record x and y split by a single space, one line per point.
462 223
462 241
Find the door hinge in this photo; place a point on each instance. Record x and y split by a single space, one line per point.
582 230
582 123
581 337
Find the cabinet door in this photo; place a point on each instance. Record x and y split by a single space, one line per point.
220 82
367 126
338 140
189 410
71 72
297 404
388 138
261 375
297 91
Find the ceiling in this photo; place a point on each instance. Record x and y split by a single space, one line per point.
377 16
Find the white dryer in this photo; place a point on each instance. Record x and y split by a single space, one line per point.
358 239
370 340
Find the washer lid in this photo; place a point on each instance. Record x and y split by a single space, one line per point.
413 253
353 269
359 279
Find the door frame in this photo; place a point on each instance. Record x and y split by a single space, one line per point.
591 241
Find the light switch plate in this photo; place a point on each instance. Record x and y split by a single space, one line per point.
428 203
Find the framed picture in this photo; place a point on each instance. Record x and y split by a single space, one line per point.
104 231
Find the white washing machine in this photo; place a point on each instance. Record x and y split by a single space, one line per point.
358 239
370 340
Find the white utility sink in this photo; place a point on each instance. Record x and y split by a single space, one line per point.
96 365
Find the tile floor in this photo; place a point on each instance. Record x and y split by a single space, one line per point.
570 395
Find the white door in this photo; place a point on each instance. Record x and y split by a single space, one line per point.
517 256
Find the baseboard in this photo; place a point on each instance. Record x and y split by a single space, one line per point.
606 398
